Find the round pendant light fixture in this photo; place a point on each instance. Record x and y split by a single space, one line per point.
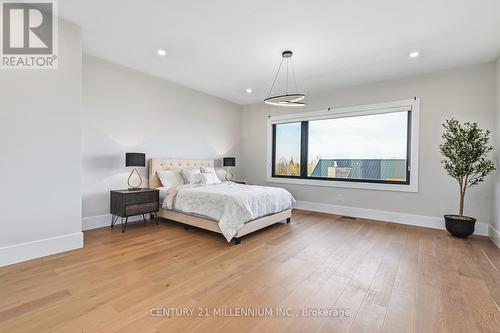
289 98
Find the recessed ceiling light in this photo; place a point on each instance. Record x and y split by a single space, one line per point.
162 52
414 54
249 90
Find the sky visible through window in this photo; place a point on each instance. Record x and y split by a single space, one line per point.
288 141
288 149
380 136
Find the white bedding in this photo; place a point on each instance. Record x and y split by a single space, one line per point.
229 203
163 193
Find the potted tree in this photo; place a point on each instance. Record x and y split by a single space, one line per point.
465 148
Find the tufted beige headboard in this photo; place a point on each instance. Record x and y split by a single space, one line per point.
156 164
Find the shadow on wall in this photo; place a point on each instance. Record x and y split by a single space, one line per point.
106 172
94 200
105 162
103 173
104 165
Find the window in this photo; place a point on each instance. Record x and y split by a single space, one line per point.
348 147
371 148
287 149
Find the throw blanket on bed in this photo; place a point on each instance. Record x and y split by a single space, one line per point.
229 203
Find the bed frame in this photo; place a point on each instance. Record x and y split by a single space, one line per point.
156 164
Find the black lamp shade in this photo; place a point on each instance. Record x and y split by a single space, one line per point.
228 161
135 159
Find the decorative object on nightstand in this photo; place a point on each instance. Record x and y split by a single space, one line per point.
135 160
125 203
228 162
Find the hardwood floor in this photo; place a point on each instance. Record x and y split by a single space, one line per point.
387 277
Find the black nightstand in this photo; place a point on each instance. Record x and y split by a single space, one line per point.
125 203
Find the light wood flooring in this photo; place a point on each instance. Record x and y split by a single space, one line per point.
389 278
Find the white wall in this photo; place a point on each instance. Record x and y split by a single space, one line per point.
40 166
466 93
494 231
128 111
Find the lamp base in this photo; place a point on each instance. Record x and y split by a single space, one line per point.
130 186
229 174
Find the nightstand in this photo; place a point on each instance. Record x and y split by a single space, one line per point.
126 203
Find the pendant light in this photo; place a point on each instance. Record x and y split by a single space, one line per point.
289 98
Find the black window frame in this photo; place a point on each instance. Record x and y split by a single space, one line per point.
304 146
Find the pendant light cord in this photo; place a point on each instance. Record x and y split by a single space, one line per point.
287 63
275 77
293 74
291 97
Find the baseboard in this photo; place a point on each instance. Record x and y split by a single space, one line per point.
101 221
40 248
494 235
381 215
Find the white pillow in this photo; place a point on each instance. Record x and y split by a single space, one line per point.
169 178
208 170
209 179
192 176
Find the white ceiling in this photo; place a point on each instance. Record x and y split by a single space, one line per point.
222 47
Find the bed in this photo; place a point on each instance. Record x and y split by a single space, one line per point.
233 210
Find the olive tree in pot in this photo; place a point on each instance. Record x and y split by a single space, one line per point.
465 148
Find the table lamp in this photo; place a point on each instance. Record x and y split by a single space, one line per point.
135 160
228 162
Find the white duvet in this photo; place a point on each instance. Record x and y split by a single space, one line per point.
228 203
